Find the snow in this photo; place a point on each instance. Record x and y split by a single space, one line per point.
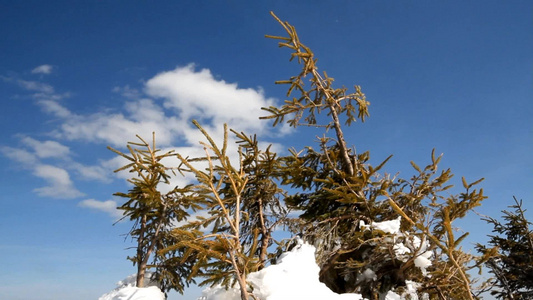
403 250
391 227
295 276
392 296
369 275
134 293
126 290
422 261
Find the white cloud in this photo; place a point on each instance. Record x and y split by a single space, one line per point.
197 94
117 129
115 163
21 156
47 148
109 207
186 94
43 69
178 96
98 173
127 92
59 183
36 86
53 107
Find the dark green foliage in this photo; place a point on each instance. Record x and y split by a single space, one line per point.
510 256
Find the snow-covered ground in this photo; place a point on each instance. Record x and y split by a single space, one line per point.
294 277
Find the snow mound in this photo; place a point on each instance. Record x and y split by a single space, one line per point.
134 293
294 277
126 290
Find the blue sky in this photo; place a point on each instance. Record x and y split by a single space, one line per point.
77 76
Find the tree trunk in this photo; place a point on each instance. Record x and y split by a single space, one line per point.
348 165
265 236
141 263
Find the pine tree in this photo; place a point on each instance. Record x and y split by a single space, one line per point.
342 197
153 214
243 206
510 254
339 193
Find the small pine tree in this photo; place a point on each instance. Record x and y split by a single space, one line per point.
510 254
153 214
243 207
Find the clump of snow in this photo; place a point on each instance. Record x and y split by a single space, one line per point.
401 250
392 296
405 246
411 291
369 275
126 290
132 280
392 226
422 261
294 277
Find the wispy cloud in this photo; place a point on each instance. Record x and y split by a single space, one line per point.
59 183
118 128
21 156
164 104
35 86
46 149
109 207
54 108
180 95
42 69
127 92
93 173
52 162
